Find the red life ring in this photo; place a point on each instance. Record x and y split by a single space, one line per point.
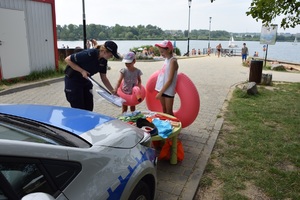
132 99
187 92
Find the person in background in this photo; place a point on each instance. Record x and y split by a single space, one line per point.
94 43
80 66
91 43
219 47
88 44
195 52
131 77
244 53
151 51
264 47
167 77
145 51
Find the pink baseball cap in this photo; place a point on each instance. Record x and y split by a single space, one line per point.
165 44
129 57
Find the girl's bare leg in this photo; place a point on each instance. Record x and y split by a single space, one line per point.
163 104
124 108
132 108
169 106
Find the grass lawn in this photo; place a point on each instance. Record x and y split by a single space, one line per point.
257 154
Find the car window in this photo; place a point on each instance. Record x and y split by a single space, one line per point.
2 195
21 129
25 178
13 133
62 172
28 175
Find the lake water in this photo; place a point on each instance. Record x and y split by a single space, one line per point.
282 51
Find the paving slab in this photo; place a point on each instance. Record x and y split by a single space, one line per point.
213 77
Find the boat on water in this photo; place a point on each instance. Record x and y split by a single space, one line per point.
295 41
231 43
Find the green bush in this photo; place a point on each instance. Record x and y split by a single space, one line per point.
37 75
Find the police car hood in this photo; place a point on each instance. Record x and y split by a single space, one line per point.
115 133
93 127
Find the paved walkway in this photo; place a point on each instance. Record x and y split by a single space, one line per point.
214 78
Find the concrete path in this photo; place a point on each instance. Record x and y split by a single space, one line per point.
214 78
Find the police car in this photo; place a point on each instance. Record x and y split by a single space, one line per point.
51 152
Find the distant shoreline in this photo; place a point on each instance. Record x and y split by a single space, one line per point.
275 52
297 65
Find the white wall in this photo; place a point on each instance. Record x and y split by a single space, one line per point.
37 33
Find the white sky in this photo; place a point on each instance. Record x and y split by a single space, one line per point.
228 15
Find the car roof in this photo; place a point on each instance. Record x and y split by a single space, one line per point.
77 121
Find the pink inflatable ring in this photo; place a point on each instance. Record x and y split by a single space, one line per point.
187 92
137 96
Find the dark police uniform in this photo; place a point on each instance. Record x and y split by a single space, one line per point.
77 88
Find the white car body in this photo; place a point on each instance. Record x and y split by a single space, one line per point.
106 158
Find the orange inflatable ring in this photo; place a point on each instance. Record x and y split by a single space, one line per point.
132 99
187 92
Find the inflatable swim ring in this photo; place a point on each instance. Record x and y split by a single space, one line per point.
132 99
187 92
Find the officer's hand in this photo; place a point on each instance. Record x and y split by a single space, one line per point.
84 74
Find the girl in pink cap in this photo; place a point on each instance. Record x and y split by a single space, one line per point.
167 77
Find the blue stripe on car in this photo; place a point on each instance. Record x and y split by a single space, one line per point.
116 194
74 120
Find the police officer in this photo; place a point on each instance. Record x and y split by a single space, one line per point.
83 64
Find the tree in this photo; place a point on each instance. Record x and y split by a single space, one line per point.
268 10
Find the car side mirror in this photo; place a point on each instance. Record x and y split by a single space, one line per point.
38 196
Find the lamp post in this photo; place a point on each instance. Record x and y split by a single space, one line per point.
188 45
84 26
209 33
